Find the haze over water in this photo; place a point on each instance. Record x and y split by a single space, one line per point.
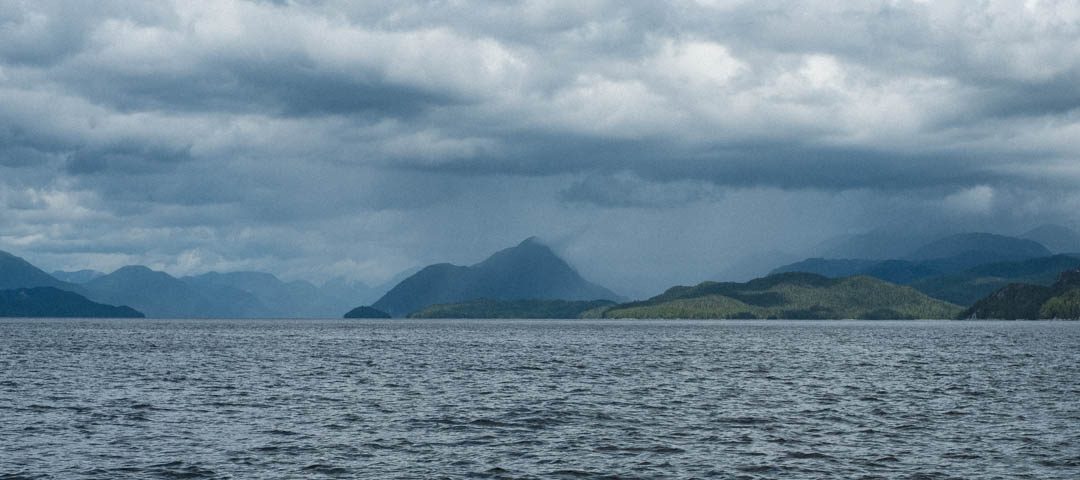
531 399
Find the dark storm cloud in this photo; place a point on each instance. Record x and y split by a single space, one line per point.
126 158
288 84
373 136
628 191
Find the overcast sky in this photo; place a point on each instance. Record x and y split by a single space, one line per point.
651 143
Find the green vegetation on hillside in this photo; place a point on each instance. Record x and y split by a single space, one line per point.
1064 306
969 286
1029 302
790 296
487 308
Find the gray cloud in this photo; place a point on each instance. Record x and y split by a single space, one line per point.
334 137
625 190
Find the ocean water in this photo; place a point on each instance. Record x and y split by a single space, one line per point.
538 399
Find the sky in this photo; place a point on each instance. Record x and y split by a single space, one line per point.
650 143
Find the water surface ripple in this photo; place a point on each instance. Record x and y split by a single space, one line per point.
538 399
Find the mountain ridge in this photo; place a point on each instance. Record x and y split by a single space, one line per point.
529 270
793 295
50 302
1021 301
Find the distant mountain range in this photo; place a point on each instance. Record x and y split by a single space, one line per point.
959 269
210 295
1057 238
529 270
875 245
968 286
160 295
80 276
296 299
994 274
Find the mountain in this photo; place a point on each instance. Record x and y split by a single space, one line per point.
755 265
529 270
950 254
1057 238
1028 302
340 294
295 299
893 271
968 286
827 267
366 312
18 273
881 244
967 250
78 277
49 302
903 271
486 308
939 278
279 299
160 295
790 296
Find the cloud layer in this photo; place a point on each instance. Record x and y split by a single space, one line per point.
320 138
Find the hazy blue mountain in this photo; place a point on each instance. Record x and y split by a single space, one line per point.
944 279
366 312
279 299
77 277
1057 238
49 302
954 253
529 270
160 295
340 294
1044 271
881 244
894 271
967 287
902 271
294 299
827 267
757 265
789 296
18 273
971 249
1020 301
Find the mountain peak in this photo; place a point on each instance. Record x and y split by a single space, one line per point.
999 247
533 240
529 270
1058 238
134 269
15 272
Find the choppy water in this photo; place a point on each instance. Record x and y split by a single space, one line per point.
538 399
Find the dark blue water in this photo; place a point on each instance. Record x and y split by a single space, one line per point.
538 399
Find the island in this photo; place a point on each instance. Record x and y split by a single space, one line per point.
366 312
488 308
50 302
